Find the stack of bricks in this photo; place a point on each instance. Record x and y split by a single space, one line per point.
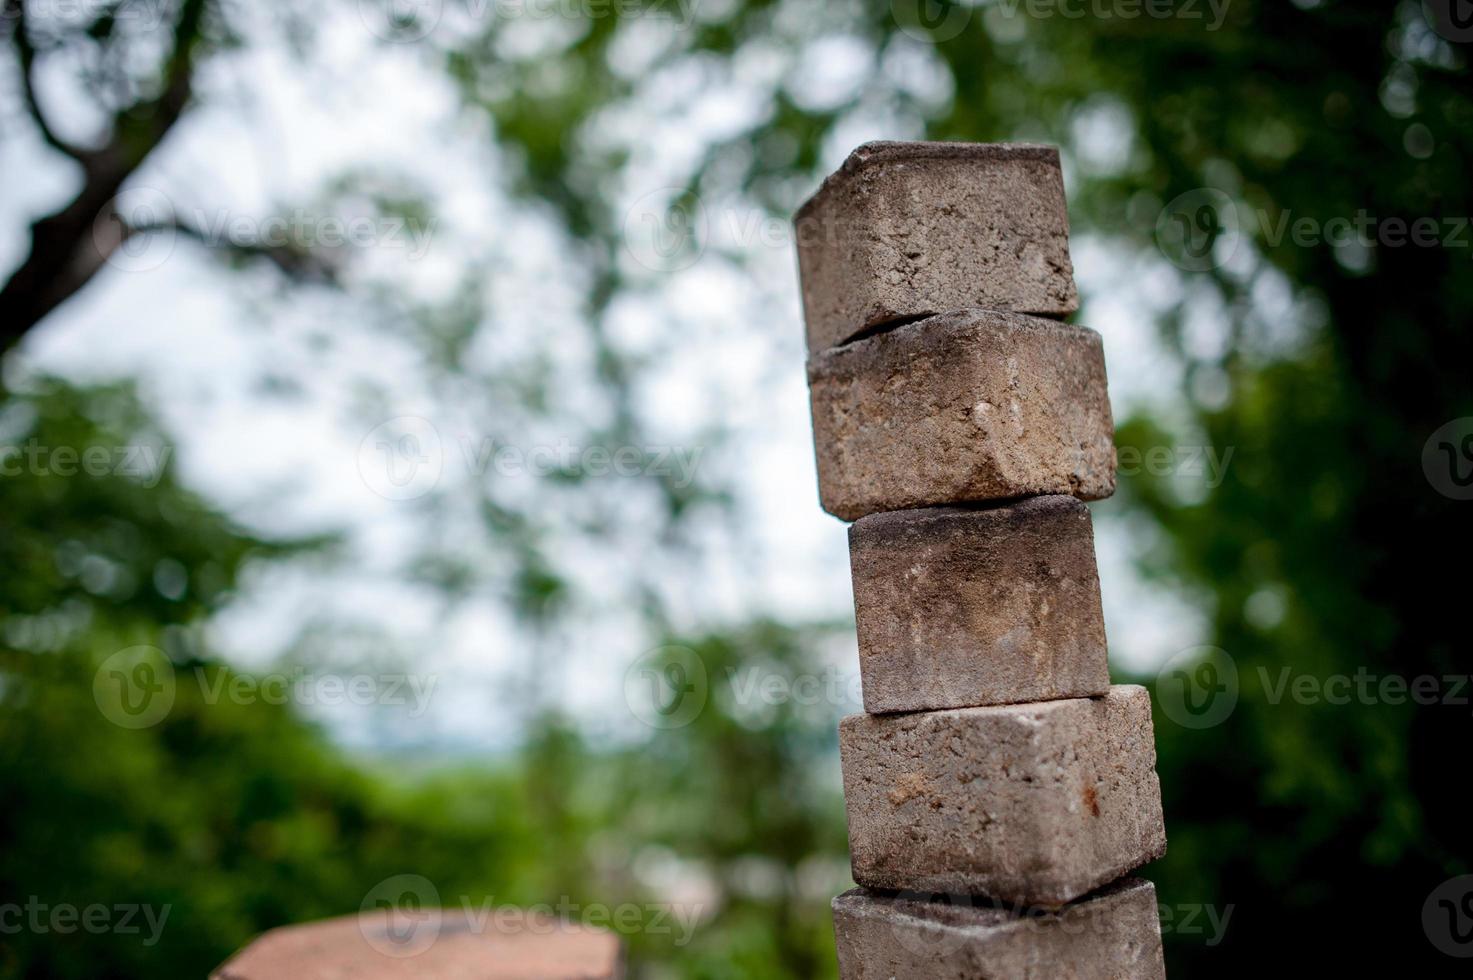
998 787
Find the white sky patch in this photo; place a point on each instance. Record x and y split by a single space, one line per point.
831 71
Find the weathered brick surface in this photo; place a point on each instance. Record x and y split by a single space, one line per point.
1033 804
430 944
1113 934
967 406
958 607
907 229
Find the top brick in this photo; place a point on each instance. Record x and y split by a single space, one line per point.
903 230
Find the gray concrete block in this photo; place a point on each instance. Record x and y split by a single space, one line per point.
967 406
959 607
908 229
1033 804
1112 934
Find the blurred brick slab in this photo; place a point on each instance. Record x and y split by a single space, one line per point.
960 607
434 944
1113 934
909 229
1032 804
962 407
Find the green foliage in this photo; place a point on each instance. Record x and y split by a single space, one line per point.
230 817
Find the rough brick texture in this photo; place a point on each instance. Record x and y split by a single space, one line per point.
967 406
958 607
1113 934
433 944
1032 804
907 229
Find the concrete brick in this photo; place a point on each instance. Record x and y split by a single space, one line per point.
1031 804
908 229
958 607
1113 934
967 406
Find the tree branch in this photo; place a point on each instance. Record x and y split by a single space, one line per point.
297 262
69 246
25 50
38 286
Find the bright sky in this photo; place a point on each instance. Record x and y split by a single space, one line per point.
270 132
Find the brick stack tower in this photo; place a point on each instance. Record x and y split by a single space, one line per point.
998 786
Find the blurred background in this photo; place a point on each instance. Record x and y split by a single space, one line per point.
406 481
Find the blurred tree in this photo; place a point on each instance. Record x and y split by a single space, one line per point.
1339 360
223 816
71 245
